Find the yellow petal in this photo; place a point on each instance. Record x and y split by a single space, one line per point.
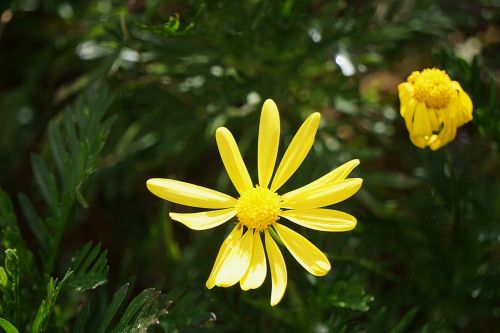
456 111
419 141
405 91
333 176
269 138
278 269
452 132
432 140
466 104
325 195
204 220
446 135
464 100
408 112
308 255
433 119
321 219
233 162
229 243
188 194
463 105
421 122
297 151
257 270
235 264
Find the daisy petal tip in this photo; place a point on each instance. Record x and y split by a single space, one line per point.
275 300
353 225
324 269
221 131
154 185
244 287
152 182
269 103
402 87
358 182
315 117
225 284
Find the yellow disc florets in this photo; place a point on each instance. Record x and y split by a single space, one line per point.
432 86
258 208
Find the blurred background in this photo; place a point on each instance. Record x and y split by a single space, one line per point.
426 252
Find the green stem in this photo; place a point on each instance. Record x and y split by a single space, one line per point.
455 211
61 230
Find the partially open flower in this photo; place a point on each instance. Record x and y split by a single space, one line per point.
433 107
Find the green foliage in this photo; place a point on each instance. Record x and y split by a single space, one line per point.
424 256
75 153
189 309
89 267
141 313
7 326
11 236
46 308
75 159
348 295
9 286
405 322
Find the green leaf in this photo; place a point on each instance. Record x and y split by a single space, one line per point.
141 313
350 296
7 216
90 268
76 154
9 286
7 326
9 231
35 223
70 132
46 182
405 322
112 308
172 24
47 306
57 147
169 28
144 311
190 308
82 319
133 309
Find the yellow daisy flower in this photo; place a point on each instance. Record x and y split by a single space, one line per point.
241 257
433 107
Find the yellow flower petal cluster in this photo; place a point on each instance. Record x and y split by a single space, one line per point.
242 256
433 107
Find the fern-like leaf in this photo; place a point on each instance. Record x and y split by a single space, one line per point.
90 268
144 311
47 306
9 286
7 326
75 145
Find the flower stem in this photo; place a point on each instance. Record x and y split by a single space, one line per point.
455 211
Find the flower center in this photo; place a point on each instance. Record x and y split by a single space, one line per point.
258 208
432 86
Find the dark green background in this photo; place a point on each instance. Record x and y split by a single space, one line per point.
426 252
